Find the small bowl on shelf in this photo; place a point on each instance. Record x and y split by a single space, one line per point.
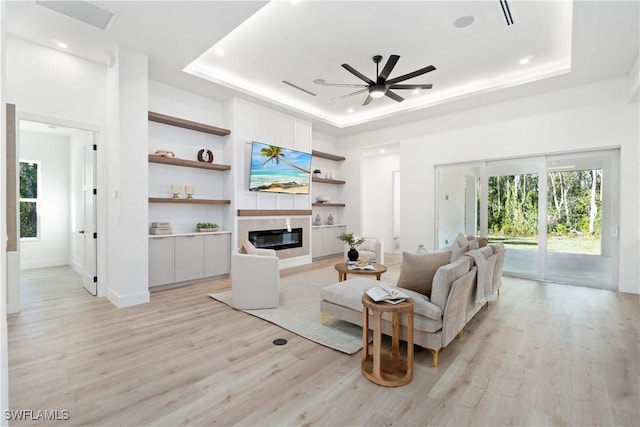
323 199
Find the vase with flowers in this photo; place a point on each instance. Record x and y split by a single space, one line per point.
353 243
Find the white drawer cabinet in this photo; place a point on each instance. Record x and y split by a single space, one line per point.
189 258
325 240
217 254
161 261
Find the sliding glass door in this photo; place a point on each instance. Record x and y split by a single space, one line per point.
513 213
582 218
556 215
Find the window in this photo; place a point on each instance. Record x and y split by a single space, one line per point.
29 179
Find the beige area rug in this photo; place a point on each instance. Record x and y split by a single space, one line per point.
299 311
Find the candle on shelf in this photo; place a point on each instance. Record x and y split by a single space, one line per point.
175 190
188 189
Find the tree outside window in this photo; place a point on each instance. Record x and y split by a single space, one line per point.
29 177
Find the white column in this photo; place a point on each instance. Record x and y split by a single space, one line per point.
127 100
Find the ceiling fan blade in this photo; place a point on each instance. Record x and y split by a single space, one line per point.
358 74
416 86
394 96
342 85
391 62
367 101
350 94
411 75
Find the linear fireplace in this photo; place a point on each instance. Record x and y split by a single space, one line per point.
276 239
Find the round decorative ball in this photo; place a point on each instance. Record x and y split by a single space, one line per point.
205 155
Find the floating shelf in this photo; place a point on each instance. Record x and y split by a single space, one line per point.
327 181
337 205
274 212
187 124
193 201
187 163
327 156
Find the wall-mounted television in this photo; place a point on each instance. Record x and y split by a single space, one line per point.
279 170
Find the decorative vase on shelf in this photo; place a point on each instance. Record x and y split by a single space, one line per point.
353 254
318 220
330 220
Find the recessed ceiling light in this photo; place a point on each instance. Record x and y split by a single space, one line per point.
381 150
415 91
525 60
219 51
350 110
62 45
463 21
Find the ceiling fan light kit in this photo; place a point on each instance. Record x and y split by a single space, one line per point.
382 85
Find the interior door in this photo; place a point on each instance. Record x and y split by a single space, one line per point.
89 276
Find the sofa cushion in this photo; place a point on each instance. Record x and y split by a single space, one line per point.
349 293
364 253
417 271
427 316
444 278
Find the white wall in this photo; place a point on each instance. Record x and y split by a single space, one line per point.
45 81
51 248
377 195
580 118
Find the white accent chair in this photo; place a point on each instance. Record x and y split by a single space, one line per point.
255 279
372 248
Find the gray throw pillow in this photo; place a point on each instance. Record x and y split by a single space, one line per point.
417 271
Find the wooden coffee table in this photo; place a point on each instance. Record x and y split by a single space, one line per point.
343 270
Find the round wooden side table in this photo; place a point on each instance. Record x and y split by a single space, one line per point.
390 370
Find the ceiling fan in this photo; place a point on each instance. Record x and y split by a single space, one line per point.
382 85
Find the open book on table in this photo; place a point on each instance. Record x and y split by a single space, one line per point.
361 267
387 294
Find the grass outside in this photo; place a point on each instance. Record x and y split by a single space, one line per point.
566 244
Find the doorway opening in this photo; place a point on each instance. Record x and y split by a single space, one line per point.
58 227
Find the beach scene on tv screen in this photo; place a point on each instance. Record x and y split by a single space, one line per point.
279 170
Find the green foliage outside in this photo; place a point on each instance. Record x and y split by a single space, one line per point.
574 204
28 190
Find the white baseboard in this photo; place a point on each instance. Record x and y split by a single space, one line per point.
52 262
122 301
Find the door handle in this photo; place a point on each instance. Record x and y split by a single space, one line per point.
81 231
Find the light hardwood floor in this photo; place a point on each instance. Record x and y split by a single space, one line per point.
542 354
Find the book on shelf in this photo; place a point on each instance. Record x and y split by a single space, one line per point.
160 224
387 294
161 230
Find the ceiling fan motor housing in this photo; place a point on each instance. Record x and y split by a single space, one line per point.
377 90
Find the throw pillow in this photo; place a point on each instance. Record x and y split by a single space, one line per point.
461 240
474 244
417 271
248 247
458 252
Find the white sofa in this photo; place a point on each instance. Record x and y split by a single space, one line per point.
255 279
